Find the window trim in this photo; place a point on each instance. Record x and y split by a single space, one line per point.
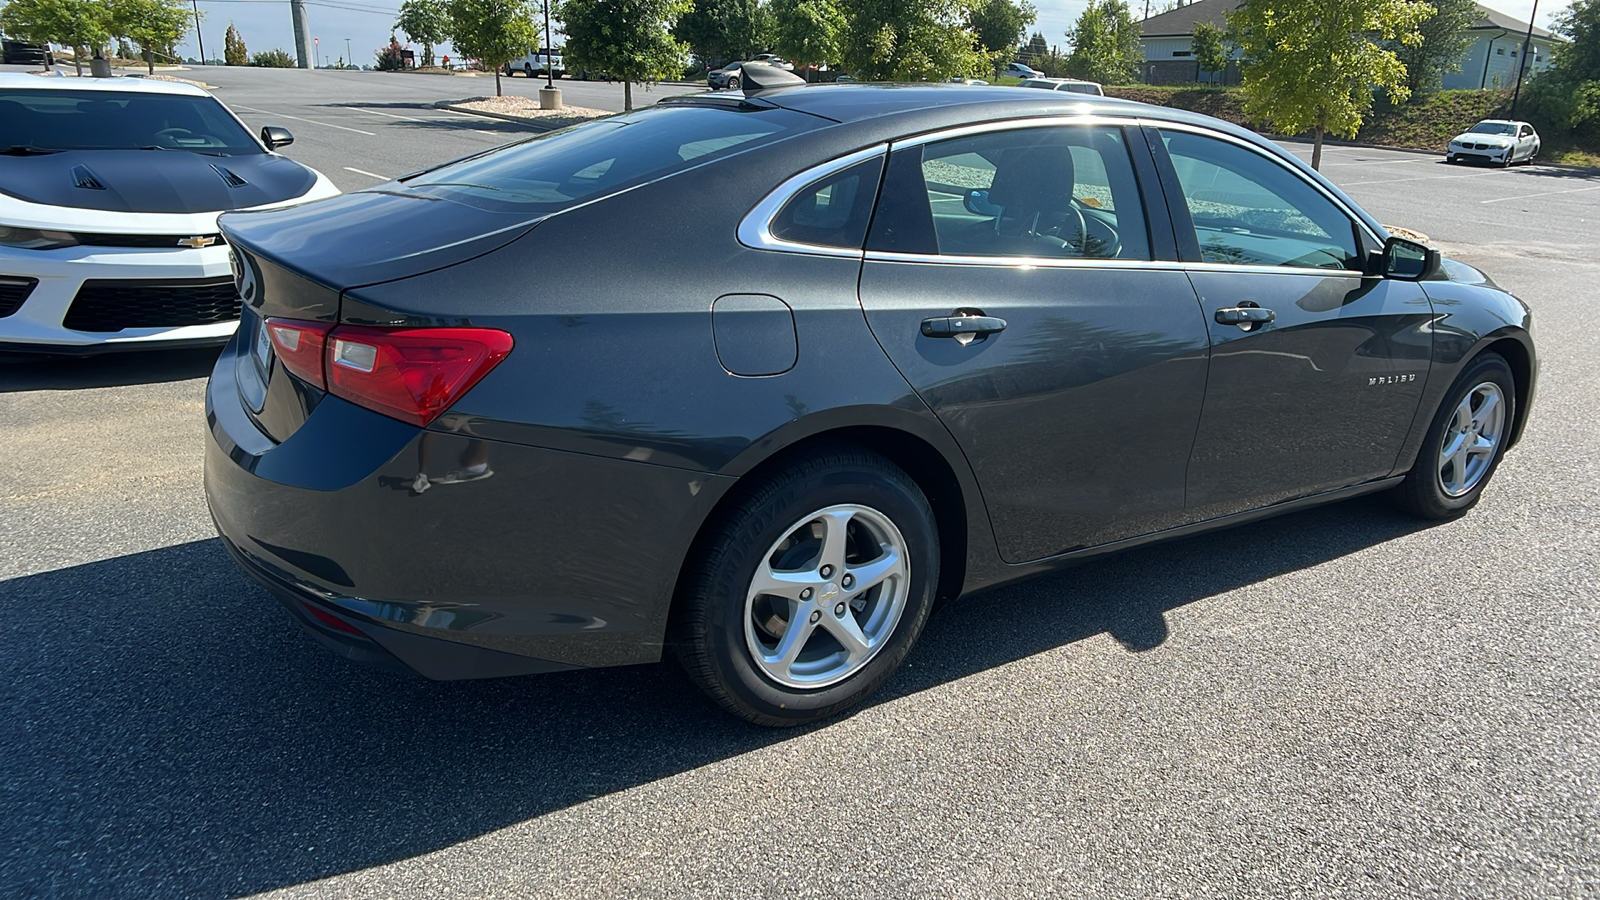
755 229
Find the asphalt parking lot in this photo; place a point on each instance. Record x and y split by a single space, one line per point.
1335 703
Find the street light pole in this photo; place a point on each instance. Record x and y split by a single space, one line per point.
197 35
349 56
549 62
1522 61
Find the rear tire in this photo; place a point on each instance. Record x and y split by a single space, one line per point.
1465 443
810 592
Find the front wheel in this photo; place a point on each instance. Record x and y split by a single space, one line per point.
811 591
733 84
1464 445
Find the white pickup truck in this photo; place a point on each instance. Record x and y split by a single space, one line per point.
533 64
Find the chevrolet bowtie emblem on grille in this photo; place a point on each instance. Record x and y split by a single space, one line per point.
197 241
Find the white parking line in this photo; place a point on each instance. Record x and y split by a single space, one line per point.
1595 187
298 119
423 121
366 173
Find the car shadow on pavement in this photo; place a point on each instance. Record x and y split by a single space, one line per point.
168 731
19 372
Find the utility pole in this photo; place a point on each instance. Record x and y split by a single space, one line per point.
197 36
305 49
1522 61
349 57
549 63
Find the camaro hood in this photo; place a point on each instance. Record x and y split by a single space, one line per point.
372 236
153 181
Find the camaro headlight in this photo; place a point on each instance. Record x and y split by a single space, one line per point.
35 238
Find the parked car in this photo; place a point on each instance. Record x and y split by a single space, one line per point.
931 338
967 81
1064 84
1497 141
774 60
533 64
1021 70
19 53
109 195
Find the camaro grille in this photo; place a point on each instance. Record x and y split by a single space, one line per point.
162 241
13 291
104 305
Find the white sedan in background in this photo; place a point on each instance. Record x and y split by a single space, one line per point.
1500 141
110 190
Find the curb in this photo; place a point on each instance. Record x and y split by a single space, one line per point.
527 123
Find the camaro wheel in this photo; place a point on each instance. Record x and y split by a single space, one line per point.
811 591
1465 443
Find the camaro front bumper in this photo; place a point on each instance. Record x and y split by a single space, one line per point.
143 284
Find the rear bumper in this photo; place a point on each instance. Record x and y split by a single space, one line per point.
555 560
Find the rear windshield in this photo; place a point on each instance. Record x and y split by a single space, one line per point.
118 120
556 170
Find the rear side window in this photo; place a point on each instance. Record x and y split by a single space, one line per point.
565 167
833 211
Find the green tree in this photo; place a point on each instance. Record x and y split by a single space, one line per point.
725 30
277 58
1315 65
1566 97
425 21
234 52
807 31
153 25
1035 49
895 40
998 26
630 40
1444 40
1105 44
1211 49
493 32
388 58
79 24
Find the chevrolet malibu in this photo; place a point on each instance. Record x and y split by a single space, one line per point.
879 346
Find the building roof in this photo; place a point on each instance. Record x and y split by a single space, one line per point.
1180 22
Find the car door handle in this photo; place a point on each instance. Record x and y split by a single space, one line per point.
1245 316
956 326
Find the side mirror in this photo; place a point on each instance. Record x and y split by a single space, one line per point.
977 203
1405 260
275 137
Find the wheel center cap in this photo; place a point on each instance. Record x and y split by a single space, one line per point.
829 591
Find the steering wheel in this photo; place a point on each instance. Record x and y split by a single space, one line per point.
1109 247
173 132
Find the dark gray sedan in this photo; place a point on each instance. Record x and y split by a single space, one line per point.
765 378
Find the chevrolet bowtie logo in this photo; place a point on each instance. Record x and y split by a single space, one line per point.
197 241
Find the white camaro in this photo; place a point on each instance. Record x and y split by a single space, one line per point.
1499 141
109 195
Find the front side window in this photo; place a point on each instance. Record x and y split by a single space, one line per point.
1065 192
1248 210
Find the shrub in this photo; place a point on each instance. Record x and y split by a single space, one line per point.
389 58
275 58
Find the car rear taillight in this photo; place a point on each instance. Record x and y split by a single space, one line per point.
299 346
411 374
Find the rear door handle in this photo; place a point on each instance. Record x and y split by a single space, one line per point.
956 326
1245 317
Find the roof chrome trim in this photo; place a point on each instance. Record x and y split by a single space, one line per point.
755 228
1090 262
1058 120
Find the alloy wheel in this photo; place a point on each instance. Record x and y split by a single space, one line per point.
1471 439
827 596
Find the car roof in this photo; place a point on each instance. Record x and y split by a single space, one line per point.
856 101
14 81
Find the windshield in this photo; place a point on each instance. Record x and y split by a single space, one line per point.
557 170
118 120
1493 128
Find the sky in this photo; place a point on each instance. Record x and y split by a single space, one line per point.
265 24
